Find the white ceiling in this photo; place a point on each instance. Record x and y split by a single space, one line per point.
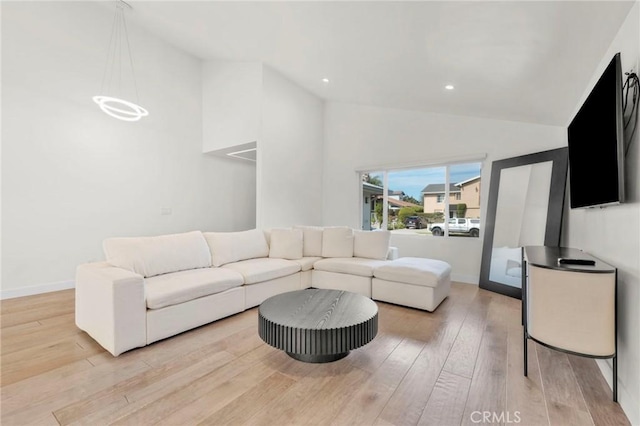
513 60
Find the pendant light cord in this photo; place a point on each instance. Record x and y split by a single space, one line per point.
119 31
126 36
109 49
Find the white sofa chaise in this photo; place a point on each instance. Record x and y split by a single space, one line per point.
151 288
412 281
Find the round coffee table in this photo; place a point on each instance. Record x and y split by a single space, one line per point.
317 325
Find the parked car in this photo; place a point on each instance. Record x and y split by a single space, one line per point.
413 222
458 225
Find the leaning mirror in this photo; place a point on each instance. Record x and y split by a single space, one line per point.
526 200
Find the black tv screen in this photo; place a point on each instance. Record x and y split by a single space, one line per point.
595 138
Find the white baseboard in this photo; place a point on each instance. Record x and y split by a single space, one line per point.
628 404
36 289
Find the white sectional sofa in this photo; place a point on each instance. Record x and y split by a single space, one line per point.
151 288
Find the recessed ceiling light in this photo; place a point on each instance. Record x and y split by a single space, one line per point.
449 87
325 80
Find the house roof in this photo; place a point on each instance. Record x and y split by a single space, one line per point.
464 182
400 203
438 188
371 189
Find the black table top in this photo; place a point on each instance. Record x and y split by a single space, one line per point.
318 309
547 257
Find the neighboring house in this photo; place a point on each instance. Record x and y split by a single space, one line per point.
395 204
470 195
465 192
370 194
395 201
373 194
396 195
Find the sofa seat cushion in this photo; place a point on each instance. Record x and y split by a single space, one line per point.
178 287
349 265
414 270
306 263
263 269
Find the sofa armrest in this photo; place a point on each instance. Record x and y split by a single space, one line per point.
110 306
392 254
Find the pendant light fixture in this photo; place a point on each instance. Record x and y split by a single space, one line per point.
118 80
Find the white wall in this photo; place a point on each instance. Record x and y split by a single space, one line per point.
71 175
289 154
231 103
249 102
364 137
613 235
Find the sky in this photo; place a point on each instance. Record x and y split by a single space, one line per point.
414 180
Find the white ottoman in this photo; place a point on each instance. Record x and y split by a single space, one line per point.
412 281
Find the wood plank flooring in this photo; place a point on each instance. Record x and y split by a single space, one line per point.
442 368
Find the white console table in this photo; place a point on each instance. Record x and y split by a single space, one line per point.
570 307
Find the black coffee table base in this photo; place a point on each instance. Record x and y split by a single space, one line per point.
317 359
317 325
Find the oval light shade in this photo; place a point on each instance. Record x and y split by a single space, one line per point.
120 109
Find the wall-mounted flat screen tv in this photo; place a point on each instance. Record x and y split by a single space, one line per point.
595 138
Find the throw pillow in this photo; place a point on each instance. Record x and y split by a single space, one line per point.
371 244
286 244
311 240
337 241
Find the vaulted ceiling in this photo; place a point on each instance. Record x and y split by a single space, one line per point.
511 60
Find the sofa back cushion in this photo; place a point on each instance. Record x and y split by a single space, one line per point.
286 244
267 235
312 240
151 256
228 247
337 241
371 244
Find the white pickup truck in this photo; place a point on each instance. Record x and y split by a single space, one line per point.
465 226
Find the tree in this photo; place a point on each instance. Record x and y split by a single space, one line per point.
378 212
412 211
373 180
461 209
405 212
410 199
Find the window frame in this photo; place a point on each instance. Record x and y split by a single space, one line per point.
385 169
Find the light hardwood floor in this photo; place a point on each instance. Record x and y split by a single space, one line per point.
441 368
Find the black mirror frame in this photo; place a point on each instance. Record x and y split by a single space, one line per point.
555 209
